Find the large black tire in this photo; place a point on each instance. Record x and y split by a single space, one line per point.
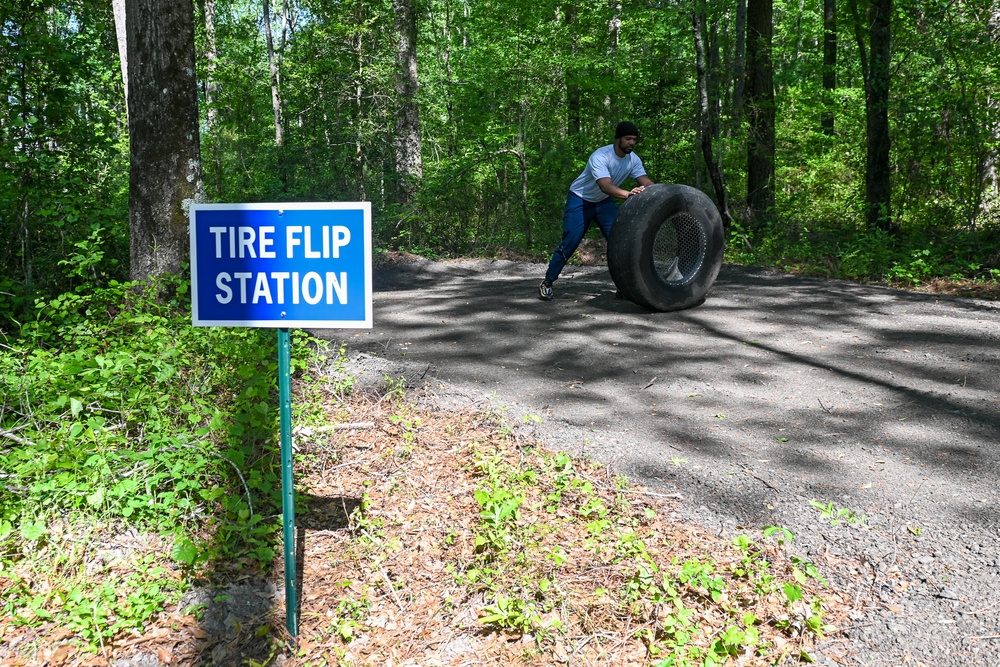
666 247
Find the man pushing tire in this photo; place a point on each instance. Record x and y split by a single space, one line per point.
665 248
591 197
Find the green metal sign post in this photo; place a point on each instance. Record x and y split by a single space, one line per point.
287 482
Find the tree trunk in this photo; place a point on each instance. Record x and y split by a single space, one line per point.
707 131
739 61
875 69
165 169
272 62
409 167
989 182
614 38
760 111
211 90
829 64
118 7
359 153
212 60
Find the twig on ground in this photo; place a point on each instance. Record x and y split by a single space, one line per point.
18 439
345 465
984 610
392 589
766 483
345 427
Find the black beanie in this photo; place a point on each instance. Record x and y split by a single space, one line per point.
626 129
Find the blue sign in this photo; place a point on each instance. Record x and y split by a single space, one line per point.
281 265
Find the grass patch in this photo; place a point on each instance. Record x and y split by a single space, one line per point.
939 260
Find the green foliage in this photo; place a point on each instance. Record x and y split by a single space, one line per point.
512 98
835 514
118 413
909 259
64 175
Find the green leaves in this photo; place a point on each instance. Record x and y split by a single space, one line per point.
184 551
33 530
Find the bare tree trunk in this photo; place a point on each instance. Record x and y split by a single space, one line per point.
615 25
760 108
211 90
212 61
614 37
165 160
829 63
118 7
359 154
989 181
877 112
409 167
279 129
442 48
875 69
714 171
739 60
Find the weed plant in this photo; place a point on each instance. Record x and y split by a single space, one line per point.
547 530
911 258
120 422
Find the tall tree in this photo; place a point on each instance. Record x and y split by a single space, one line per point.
409 167
989 174
875 69
739 60
708 128
165 172
829 63
118 8
274 69
760 110
211 61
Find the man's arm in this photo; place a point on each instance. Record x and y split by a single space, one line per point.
609 188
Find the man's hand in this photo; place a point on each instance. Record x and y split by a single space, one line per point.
636 190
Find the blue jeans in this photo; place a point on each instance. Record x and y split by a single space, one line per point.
578 215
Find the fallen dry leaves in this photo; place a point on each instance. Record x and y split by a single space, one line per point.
391 572
390 542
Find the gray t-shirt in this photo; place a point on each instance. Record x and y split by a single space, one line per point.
605 163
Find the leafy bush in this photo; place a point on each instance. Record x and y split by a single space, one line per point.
115 407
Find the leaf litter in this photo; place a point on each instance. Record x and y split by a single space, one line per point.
440 537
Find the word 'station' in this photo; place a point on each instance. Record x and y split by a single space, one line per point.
281 265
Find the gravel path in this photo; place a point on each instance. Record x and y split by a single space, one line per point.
777 396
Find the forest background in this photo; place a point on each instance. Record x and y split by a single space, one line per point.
464 122
856 139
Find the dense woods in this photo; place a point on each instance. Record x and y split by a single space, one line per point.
846 129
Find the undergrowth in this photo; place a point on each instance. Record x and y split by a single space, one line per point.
472 541
910 258
121 422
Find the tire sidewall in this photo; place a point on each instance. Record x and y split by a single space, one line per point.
631 257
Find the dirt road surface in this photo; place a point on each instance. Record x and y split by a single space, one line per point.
865 420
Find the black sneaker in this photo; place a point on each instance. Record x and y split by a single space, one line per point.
545 291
